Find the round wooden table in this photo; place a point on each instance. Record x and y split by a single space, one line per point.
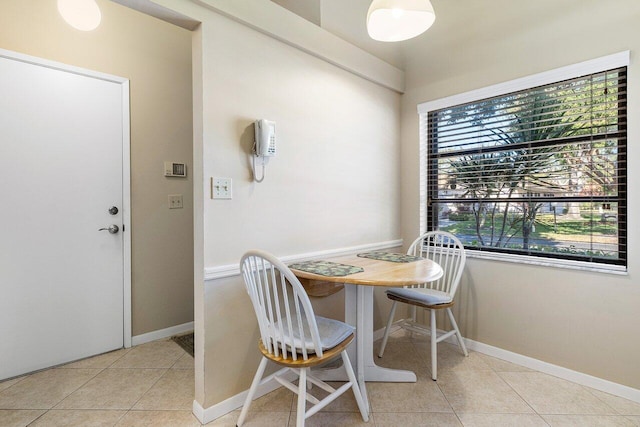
359 309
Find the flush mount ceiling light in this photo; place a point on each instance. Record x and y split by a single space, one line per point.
83 15
396 20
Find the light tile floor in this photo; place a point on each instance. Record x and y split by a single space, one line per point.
152 385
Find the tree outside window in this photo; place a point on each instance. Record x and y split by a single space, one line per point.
537 172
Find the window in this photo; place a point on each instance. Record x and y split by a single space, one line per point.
539 171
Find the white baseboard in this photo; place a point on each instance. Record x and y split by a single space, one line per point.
162 333
377 335
540 366
555 370
198 412
235 402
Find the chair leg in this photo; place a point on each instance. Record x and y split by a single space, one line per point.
458 334
388 328
434 347
355 387
252 391
302 397
414 313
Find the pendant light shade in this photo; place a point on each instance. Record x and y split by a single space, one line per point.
83 15
396 20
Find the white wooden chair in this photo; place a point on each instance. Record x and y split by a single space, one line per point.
445 249
292 336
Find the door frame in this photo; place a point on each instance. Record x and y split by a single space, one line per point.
126 168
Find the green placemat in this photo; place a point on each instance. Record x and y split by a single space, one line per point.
326 268
390 256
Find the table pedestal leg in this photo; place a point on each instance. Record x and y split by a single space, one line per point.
358 303
373 372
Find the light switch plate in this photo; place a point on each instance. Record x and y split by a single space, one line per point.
221 188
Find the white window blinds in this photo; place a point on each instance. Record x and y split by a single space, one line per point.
540 171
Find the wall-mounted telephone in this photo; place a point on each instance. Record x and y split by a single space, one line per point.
265 138
265 144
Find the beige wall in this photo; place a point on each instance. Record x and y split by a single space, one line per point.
156 57
579 320
309 9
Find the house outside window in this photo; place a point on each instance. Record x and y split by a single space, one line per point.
533 169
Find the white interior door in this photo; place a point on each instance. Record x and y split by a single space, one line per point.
63 143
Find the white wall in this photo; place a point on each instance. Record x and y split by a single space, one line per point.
583 321
334 183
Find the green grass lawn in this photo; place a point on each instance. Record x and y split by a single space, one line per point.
578 230
564 229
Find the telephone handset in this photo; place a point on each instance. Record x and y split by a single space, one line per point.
265 138
265 144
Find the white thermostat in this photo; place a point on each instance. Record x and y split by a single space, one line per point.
175 169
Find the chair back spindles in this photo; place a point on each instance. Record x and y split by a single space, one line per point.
290 337
282 307
446 250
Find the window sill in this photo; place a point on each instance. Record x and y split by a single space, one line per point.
549 262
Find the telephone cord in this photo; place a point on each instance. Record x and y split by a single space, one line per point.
255 177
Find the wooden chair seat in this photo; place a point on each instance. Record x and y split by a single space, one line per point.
312 360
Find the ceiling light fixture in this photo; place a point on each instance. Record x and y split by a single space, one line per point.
396 20
83 15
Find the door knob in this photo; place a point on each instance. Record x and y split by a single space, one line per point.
113 229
